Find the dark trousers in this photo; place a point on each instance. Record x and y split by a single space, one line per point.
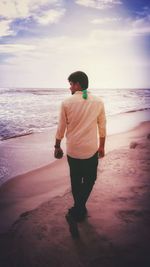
83 173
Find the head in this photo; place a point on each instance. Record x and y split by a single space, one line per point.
78 81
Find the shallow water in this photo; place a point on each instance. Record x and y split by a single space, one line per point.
25 111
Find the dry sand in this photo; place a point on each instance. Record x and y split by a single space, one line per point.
116 232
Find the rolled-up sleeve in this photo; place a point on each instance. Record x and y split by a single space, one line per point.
62 123
101 121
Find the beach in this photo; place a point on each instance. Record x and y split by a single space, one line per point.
33 229
69 70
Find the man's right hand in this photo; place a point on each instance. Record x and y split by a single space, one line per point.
58 153
101 152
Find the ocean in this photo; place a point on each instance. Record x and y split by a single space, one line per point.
25 111
34 112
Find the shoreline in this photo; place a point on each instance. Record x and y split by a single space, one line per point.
145 111
23 154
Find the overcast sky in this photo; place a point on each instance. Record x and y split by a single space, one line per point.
43 41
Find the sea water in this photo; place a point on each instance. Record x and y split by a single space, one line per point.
26 111
30 110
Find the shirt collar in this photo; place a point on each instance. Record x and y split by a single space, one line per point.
80 92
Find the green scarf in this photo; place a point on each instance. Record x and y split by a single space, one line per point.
84 95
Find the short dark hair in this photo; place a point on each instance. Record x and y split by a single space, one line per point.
80 77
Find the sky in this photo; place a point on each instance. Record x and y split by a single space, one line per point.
43 41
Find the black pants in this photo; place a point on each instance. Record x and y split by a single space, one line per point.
83 173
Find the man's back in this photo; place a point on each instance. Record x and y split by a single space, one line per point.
82 116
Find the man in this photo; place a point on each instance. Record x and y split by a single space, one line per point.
82 116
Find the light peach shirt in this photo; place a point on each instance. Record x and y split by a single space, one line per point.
84 122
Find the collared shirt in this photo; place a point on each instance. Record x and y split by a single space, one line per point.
84 122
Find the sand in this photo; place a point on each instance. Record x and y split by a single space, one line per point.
33 228
27 153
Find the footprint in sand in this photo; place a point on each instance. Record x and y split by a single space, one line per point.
140 189
41 232
129 216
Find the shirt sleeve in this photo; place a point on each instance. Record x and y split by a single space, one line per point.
101 121
62 123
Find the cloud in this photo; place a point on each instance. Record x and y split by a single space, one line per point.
105 20
22 9
139 26
144 11
98 4
108 50
15 48
109 56
5 28
98 38
127 27
50 16
99 41
41 11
